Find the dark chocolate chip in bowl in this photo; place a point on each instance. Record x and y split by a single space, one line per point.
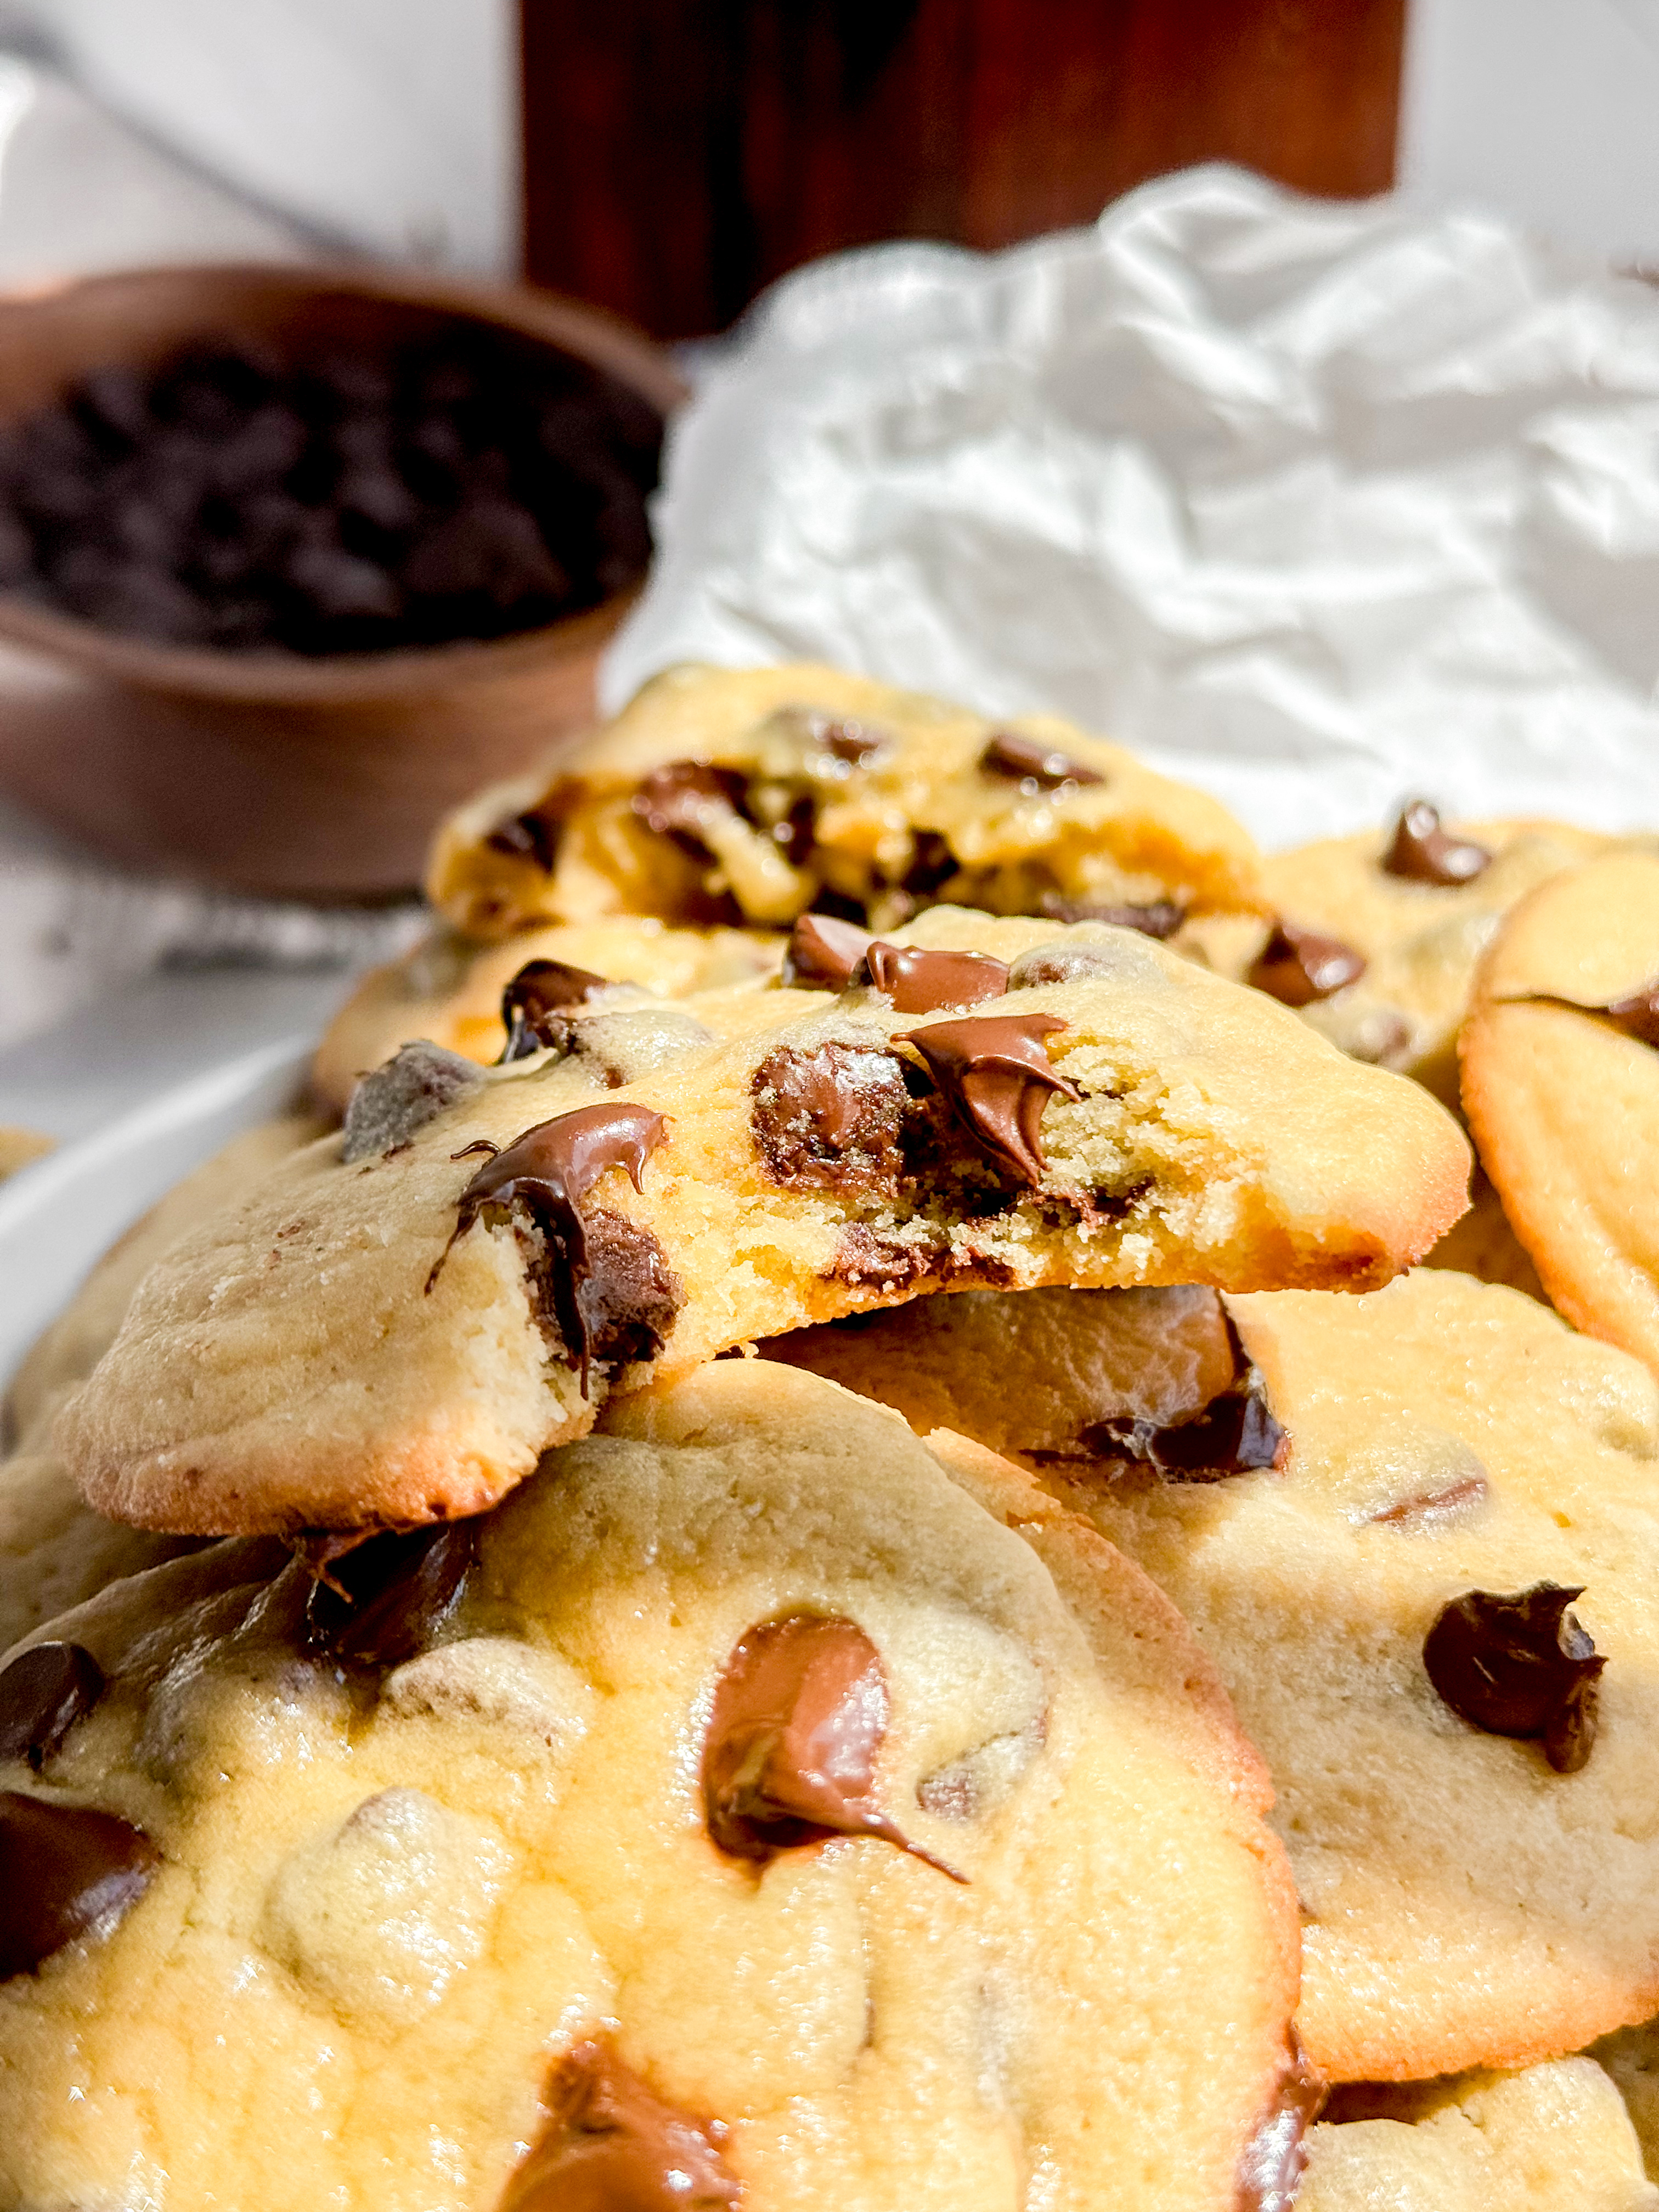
823 953
1298 966
1519 1666
536 996
1158 918
64 1871
1423 853
830 1118
417 1084
1026 761
797 1719
919 982
994 1069
542 1179
43 1693
682 799
381 1602
611 2144
1270 2171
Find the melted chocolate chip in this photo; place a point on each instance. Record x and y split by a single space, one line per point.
1271 2169
528 836
1233 1432
995 1072
1423 852
919 982
932 864
1160 918
380 1599
1519 1666
1026 762
829 1119
848 741
394 1104
677 801
799 1715
533 1002
544 1177
822 953
797 832
629 1296
1635 1016
63 1870
1297 966
43 1693
611 2144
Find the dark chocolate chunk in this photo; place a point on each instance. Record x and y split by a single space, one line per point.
932 864
1159 918
919 982
1519 1666
822 953
1270 2171
532 1002
1234 1434
1297 966
627 1298
64 1870
680 800
543 1177
830 1118
1026 761
43 1693
995 1072
610 2144
417 1084
1635 1016
799 1715
381 1600
526 836
1423 852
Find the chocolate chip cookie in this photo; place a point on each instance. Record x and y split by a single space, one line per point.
749 796
450 989
1535 2140
1377 936
757 1797
393 1327
1417 1532
1561 1086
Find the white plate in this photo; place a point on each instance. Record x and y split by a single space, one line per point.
59 1215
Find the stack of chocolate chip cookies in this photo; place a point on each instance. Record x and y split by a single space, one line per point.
812 1546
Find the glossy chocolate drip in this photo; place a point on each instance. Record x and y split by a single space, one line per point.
532 1002
829 1119
1519 1666
545 1175
43 1693
996 1074
919 982
822 953
678 801
1271 2169
381 1600
797 1719
63 1870
1298 966
1026 761
1423 852
1158 918
1635 1016
528 836
611 2144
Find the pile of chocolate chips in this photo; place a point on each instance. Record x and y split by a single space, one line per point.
467 486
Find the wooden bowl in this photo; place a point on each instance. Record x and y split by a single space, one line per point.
275 773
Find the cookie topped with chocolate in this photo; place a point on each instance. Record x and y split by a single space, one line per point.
397 1336
759 1808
